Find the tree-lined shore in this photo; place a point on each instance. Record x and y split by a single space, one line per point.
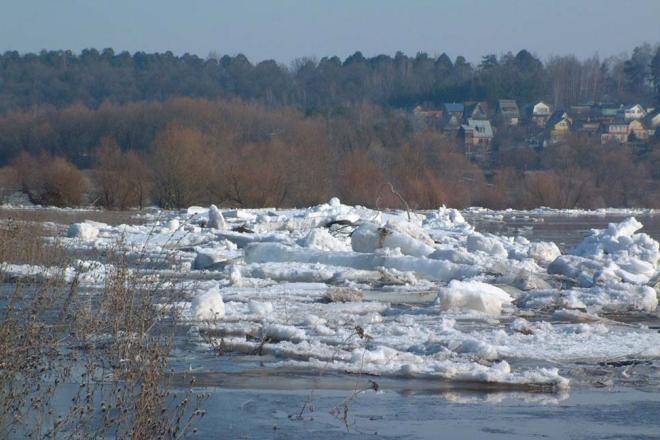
188 151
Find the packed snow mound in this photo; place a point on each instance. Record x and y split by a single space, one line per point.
208 306
368 238
85 231
617 253
473 295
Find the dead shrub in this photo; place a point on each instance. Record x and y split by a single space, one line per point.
122 179
91 366
361 179
50 180
23 242
183 167
571 188
257 175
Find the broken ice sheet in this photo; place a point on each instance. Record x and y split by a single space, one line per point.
432 298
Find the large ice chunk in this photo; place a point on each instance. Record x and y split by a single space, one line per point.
216 219
208 305
84 231
543 252
369 237
473 295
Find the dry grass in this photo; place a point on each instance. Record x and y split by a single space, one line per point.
83 365
65 217
24 242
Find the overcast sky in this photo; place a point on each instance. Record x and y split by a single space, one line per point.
287 29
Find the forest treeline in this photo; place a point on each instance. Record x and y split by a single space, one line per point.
185 151
91 78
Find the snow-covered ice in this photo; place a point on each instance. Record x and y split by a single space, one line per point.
617 253
473 295
208 305
349 289
85 231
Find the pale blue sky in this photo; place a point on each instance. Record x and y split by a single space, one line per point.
288 29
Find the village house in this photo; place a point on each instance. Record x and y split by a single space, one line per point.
477 136
638 130
453 115
541 114
615 132
627 130
475 110
558 125
507 112
607 121
633 113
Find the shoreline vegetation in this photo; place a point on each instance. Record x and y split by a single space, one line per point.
188 151
75 364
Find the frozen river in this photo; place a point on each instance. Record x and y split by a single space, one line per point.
342 322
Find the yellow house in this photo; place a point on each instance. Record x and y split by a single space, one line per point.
559 125
637 128
617 132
